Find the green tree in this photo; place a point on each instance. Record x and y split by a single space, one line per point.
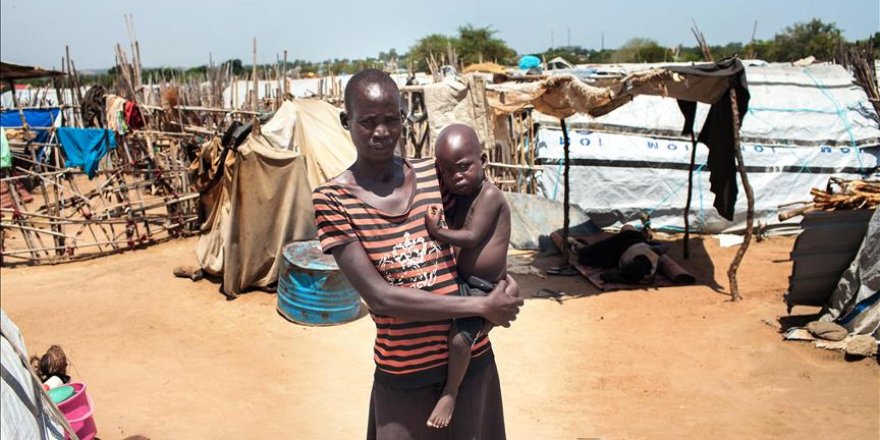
434 44
640 50
801 40
761 49
476 45
237 68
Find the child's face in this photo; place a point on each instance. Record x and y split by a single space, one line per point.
461 167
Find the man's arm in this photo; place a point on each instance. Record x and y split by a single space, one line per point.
476 227
500 306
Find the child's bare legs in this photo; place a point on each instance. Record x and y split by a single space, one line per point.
459 359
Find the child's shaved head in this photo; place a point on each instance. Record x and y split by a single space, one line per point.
458 137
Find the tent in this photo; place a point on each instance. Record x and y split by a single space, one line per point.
40 120
722 86
855 301
804 124
264 198
236 94
27 412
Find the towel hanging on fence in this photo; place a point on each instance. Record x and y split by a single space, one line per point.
85 147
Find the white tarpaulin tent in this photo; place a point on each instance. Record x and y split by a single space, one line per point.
804 125
26 412
298 88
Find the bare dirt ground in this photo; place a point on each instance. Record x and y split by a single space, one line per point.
172 359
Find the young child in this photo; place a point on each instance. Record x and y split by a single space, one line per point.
480 228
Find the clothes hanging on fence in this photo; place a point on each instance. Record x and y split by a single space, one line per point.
718 130
116 114
93 107
133 118
5 154
85 147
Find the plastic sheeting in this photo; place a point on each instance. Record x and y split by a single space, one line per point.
38 119
265 198
22 418
804 125
460 100
298 88
801 106
614 177
854 299
534 218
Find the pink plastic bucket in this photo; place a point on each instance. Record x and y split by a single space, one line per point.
78 411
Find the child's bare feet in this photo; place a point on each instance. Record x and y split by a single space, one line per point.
442 413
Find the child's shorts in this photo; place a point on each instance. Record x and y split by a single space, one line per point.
470 327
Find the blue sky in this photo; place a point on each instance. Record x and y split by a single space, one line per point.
183 33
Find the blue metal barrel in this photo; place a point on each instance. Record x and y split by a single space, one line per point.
311 288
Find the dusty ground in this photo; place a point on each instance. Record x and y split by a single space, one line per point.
172 359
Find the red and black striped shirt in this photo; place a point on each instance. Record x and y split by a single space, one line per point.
406 352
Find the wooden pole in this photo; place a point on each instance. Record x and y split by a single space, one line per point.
77 93
566 201
256 97
687 205
21 116
750 197
284 78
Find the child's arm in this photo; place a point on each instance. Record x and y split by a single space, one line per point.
475 228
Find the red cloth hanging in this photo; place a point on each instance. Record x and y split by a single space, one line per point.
133 118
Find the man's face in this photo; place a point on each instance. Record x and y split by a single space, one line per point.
374 121
461 165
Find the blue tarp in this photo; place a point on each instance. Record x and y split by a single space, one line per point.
85 147
529 62
43 117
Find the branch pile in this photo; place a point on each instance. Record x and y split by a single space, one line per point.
839 195
852 194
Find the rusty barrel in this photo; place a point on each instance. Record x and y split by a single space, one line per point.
311 288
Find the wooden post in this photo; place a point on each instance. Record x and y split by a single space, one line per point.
256 97
750 197
284 78
687 205
21 116
566 203
74 79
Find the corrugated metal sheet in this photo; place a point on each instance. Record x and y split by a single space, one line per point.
825 248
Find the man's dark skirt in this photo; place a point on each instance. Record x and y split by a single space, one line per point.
403 414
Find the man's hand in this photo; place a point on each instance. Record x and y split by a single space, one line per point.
502 307
432 219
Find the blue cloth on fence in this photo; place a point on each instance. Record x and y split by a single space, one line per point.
38 119
85 147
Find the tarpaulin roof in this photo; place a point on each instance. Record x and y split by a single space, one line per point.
562 96
10 71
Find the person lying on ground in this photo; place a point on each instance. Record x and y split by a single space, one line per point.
628 253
